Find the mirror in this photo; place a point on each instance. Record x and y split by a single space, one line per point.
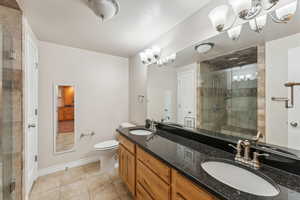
236 88
64 118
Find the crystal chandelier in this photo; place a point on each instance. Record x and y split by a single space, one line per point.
255 12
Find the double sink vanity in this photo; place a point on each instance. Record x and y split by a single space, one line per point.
163 165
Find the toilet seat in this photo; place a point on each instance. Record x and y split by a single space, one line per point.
107 145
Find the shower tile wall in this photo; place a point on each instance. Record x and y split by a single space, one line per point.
12 92
224 104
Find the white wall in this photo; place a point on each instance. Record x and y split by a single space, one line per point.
138 86
276 77
102 84
161 80
194 29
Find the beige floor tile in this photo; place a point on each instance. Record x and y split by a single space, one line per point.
49 195
96 182
92 169
72 175
121 188
46 183
77 190
126 197
107 192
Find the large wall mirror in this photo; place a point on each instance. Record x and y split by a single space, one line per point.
64 118
234 88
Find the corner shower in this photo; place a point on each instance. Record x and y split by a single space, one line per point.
6 114
227 94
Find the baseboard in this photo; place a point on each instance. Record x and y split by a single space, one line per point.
60 167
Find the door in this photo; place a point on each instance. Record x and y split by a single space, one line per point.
31 114
130 172
294 113
186 92
122 163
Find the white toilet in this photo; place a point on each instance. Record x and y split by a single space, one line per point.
108 152
108 155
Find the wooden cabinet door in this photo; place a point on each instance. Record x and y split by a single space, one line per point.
183 189
141 193
153 184
127 168
60 114
130 161
122 163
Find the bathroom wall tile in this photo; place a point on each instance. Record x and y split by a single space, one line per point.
11 19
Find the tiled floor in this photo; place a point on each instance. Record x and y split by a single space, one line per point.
80 183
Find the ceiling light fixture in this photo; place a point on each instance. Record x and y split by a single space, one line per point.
253 11
150 56
204 47
235 32
257 24
167 60
105 9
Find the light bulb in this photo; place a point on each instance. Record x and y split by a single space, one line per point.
258 23
143 57
149 55
286 12
235 32
239 6
156 50
218 17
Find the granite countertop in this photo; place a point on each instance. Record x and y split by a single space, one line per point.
186 156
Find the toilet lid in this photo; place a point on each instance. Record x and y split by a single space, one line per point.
110 144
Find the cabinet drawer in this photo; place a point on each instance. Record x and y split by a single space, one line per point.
159 168
127 144
154 186
141 194
183 189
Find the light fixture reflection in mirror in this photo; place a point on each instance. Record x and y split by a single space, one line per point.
64 109
254 12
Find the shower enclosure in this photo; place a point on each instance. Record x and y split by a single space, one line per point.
227 94
7 56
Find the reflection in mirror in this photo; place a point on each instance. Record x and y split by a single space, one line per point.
232 89
65 118
227 94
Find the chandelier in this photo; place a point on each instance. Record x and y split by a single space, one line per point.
153 56
255 12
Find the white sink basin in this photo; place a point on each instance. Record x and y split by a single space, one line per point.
141 132
240 178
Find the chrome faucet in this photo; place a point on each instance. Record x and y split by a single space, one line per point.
247 146
246 158
153 125
255 162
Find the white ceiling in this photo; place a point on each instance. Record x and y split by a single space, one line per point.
139 23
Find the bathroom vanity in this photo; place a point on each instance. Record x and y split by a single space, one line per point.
149 178
165 165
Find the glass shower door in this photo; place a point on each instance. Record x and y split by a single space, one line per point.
6 114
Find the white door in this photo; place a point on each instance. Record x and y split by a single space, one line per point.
31 114
294 113
186 92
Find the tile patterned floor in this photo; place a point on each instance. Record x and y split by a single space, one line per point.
80 183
